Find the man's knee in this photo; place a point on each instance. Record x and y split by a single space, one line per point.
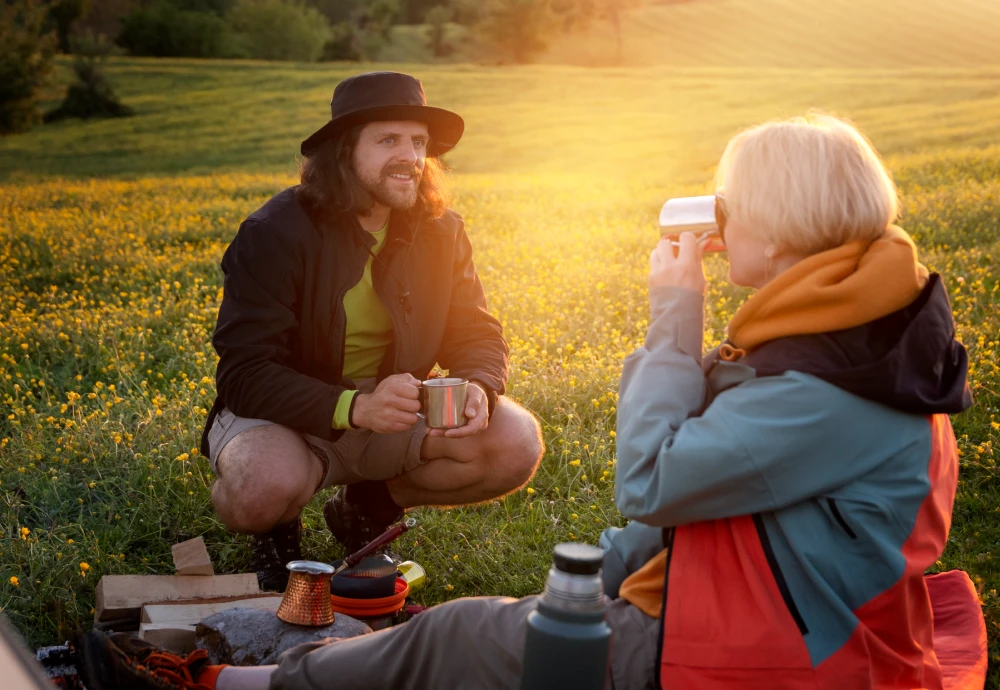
518 448
264 473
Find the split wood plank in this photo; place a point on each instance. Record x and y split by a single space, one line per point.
191 558
191 613
122 596
178 638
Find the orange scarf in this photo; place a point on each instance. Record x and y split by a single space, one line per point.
843 287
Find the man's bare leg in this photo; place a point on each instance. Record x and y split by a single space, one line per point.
478 468
266 475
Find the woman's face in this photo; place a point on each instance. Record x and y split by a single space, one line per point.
748 261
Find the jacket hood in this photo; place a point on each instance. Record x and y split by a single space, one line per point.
908 360
866 318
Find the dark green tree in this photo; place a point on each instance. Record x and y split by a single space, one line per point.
26 50
437 26
91 95
360 33
164 28
64 14
280 29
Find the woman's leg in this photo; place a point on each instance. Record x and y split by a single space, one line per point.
465 643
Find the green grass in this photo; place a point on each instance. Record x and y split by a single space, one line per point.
115 281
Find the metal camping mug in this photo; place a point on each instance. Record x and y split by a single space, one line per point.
694 214
443 402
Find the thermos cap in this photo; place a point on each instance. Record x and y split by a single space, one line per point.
578 559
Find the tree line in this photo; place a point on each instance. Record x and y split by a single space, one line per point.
497 31
33 31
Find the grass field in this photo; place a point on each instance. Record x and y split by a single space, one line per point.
109 289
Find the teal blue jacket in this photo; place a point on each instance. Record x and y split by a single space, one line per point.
832 454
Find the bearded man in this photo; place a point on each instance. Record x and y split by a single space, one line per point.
341 295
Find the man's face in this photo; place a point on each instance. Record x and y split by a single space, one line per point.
389 160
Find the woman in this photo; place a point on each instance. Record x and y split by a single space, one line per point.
795 483
787 491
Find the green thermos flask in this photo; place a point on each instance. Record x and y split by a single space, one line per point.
568 640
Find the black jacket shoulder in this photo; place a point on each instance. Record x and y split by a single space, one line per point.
285 215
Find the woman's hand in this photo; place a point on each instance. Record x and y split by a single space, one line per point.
683 270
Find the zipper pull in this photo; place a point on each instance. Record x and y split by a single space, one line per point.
404 302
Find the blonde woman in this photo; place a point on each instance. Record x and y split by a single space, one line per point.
789 489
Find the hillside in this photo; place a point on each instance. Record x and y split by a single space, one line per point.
795 33
653 125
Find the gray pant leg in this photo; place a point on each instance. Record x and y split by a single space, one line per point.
473 643
465 643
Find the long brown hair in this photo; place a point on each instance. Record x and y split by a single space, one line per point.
328 183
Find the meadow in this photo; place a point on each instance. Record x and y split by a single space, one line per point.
111 233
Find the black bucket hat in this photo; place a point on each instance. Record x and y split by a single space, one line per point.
380 96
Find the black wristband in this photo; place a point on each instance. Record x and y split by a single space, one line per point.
350 412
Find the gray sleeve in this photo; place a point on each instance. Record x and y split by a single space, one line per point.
625 551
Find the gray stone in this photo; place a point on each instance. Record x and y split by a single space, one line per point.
251 637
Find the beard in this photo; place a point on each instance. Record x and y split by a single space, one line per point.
384 191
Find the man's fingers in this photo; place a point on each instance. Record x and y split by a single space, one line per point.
403 403
405 389
474 425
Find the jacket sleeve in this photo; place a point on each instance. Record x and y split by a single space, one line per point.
473 346
761 445
626 549
254 335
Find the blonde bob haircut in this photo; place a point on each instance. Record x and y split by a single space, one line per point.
807 184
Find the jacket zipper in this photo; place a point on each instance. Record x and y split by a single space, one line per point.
402 299
840 518
779 577
668 544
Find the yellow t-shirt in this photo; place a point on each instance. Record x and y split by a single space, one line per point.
369 332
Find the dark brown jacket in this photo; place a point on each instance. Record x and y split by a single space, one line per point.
281 328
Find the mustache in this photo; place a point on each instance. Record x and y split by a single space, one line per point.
402 169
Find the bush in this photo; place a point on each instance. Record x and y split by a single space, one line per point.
91 95
163 29
64 13
518 29
279 30
26 50
347 42
437 28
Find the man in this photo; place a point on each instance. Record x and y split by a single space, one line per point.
341 295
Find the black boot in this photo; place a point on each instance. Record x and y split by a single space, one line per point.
271 553
358 513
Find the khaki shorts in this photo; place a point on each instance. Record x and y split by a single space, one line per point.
357 455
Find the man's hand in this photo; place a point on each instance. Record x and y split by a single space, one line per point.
391 408
683 270
477 412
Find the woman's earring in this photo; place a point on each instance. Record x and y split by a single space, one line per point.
769 253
